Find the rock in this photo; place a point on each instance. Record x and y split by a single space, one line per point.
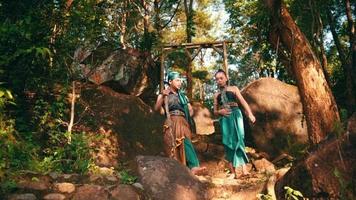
69 178
204 124
164 178
91 192
54 196
95 178
124 192
127 129
112 178
328 171
264 165
106 171
273 179
251 152
138 185
35 183
27 196
54 175
280 124
125 70
65 187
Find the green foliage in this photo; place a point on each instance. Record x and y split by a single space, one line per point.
69 158
201 74
126 177
252 52
14 153
177 59
7 186
38 40
339 127
191 28
347 189
291 194
37 43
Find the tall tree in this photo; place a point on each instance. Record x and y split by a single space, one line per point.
345 62
189 14
318 102
351 68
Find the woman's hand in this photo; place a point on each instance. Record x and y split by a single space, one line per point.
252 118
224 112
165 92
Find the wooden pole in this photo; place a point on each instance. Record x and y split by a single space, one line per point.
218 50
197 44
225 67
161 84
190 54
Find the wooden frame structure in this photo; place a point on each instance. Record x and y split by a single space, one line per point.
192 50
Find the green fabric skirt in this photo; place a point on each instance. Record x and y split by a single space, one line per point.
232 130
190 155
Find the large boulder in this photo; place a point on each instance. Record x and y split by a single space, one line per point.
125 124
91 192
165 178
280 126
128 70
329 172
125 192
204 124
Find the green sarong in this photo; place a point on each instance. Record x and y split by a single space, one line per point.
190 155
232 129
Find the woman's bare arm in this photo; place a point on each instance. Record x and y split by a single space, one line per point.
160 100
244 104
159 103
215 104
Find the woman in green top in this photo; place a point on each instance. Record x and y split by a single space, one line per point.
226 104
176 129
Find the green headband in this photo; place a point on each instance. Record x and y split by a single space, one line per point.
173 75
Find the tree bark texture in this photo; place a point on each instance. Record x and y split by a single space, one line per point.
188 8
318 102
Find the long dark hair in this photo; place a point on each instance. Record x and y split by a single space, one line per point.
223 72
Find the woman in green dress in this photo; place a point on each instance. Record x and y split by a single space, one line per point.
226 105
176 129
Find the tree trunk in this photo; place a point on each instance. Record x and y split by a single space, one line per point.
68 5
123 25
72 111
189 74
147 40
157 21
188 9
320 41
190 80
146 17
346 65
318 102
352 40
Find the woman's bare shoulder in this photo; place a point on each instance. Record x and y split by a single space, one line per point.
216 94
232 88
